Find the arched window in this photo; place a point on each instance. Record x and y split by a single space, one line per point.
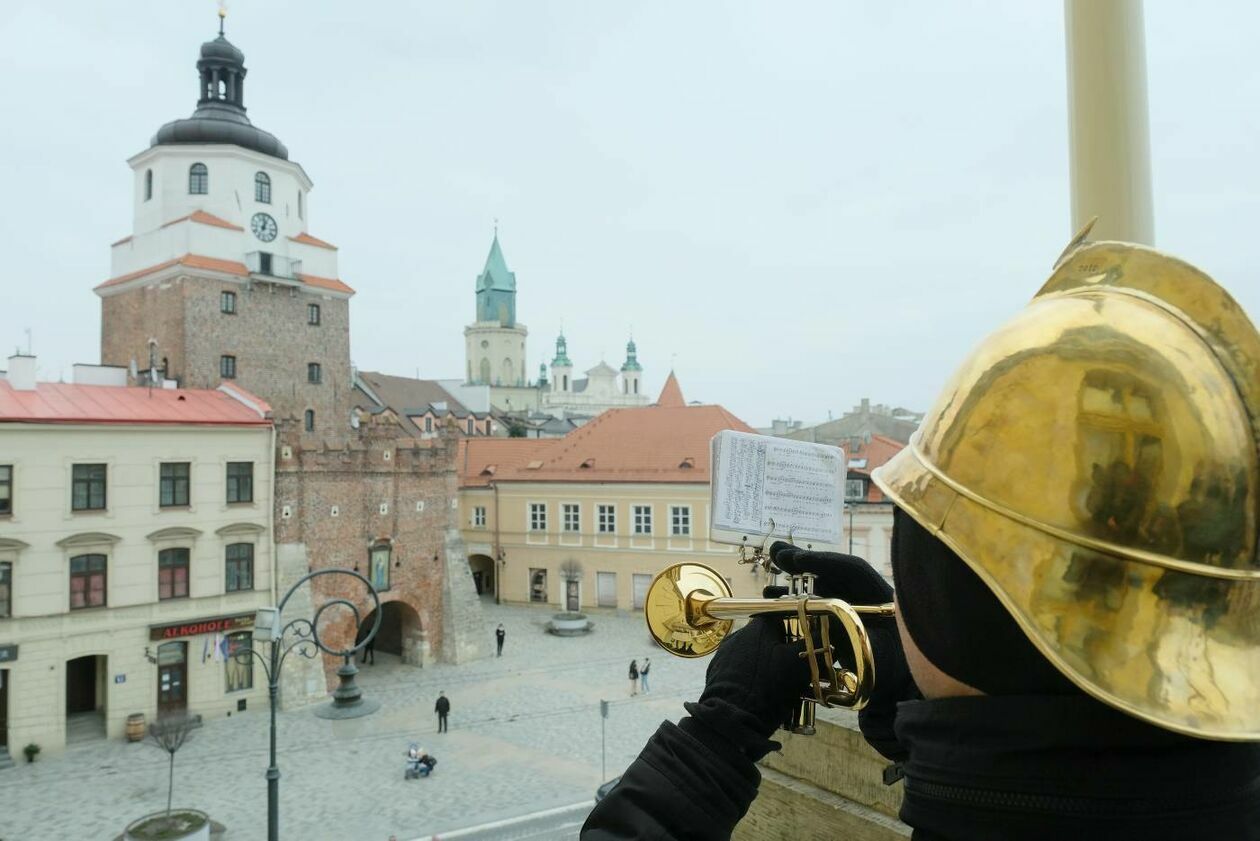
198 180
300 204
309 422
148 184
262 188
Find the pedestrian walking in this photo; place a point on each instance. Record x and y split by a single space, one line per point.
634 678
643 672
369 651
499 636
442 708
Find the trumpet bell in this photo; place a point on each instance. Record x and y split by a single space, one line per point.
670 618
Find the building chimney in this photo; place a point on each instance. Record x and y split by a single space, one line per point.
21 374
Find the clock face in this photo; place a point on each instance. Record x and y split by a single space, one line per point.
263 226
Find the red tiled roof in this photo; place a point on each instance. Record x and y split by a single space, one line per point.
671 394
196 261
205 219
307 239
877 450
326 283
67 403
648 444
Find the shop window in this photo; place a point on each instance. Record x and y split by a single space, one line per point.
198 180
572 516
238 567
680 520
173 574
173 484
378 566
87 581
87 487
6 591
642 519
240 481
6 489
538 585
238 666
538 516
607 519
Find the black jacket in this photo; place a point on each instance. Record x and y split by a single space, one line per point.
980 769
443 705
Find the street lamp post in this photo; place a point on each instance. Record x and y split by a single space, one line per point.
302 635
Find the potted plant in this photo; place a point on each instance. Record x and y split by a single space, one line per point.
30 751
170 733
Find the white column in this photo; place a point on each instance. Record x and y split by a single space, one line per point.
1107 117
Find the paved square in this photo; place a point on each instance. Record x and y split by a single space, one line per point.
524 737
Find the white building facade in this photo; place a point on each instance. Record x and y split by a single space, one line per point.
135 548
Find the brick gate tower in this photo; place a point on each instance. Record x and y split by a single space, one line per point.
221 280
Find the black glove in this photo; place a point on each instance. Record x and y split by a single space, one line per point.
852 579
754 680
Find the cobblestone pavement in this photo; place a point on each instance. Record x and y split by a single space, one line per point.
524 737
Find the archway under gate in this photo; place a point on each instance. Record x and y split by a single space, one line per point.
482 568
401 633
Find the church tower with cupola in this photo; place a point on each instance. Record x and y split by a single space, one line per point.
495 342
220 272
631 370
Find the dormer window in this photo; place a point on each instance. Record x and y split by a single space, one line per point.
198 180
148 184
262 188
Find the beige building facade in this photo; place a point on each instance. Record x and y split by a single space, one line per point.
578 545
135 548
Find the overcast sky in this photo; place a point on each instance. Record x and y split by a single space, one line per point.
798 204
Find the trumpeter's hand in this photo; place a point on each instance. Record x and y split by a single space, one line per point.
755 679
853 580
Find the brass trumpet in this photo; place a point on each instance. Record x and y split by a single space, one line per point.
689 610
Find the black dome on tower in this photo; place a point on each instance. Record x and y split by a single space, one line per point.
220 115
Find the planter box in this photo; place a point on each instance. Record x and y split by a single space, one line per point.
186 828
569 624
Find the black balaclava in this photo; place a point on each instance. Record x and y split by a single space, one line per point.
959 624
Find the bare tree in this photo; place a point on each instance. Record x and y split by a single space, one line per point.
169 733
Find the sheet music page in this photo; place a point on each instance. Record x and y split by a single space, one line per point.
757 478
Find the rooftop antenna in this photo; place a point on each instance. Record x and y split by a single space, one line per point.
222 15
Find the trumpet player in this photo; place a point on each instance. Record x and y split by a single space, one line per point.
1076 647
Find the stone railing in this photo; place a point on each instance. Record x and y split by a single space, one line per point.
829 785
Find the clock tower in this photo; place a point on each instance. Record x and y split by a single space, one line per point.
220 270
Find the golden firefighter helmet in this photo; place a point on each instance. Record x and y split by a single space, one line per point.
1095 462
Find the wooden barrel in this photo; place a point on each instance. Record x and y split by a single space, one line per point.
135 727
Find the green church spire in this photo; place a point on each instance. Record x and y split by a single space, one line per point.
632 358
496 288
562 353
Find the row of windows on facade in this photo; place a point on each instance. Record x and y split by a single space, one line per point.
470 425
199 185
89 577
227 306
605 516
89 485
227 370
